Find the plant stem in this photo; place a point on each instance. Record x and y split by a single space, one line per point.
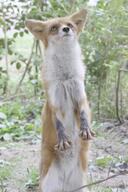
6 54
26 68
117 97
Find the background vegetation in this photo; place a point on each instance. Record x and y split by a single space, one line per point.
105 49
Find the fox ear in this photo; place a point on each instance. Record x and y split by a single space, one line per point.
79 18
36 27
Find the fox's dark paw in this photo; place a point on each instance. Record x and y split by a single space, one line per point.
86 134
63 145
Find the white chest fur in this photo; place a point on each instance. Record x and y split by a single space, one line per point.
63 61
64 70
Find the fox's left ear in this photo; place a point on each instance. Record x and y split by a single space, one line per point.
79 18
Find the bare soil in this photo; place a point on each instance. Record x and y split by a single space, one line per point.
110 142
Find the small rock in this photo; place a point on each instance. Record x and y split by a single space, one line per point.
7 137
122 166
125 141
107 125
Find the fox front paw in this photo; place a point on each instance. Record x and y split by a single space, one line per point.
63 145
86 134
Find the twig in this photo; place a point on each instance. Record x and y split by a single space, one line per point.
2 186
124 70
40 50
100 181
117 94
26 68
117 97
99 98
10 99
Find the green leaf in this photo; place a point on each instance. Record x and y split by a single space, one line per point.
103 161
18 65
10 52
15 34
115 5
21 33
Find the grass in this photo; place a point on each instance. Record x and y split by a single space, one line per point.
17 171
5 172
6 168
104 161
102 189
32 177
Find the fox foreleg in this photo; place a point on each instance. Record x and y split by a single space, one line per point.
85 121
63 141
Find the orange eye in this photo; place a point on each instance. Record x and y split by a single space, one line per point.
70 25
54 28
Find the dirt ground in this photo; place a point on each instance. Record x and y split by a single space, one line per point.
108 156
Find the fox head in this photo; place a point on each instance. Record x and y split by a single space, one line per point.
58 30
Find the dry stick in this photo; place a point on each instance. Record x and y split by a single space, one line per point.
26 68
117 93
117 97
100 181
40 50
121 103
9 99
99 97
36 70
124 70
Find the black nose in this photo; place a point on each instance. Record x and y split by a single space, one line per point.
66 29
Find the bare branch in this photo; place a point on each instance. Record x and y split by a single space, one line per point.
26 68
117 97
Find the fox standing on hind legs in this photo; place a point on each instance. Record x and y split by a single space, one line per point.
66 114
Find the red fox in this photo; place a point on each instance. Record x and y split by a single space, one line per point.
66 115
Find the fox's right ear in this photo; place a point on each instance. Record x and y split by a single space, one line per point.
36 27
